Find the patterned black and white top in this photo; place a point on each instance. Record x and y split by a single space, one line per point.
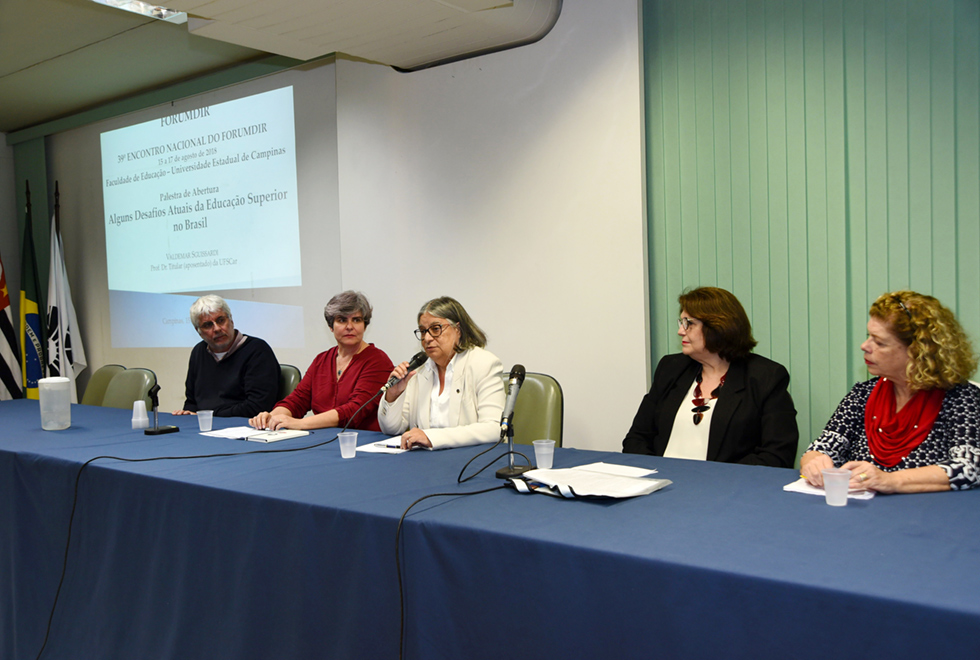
953 444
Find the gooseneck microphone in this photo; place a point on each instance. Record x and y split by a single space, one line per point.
417 361
516 379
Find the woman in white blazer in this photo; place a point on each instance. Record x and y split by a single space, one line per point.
457 397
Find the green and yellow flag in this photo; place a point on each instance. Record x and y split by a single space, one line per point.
31 331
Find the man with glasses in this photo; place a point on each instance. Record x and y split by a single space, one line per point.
230 373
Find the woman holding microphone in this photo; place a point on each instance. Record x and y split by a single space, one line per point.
457 397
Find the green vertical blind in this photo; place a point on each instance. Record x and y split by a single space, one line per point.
809 155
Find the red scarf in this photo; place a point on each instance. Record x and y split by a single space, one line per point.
892 436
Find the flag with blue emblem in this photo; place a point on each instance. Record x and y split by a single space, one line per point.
66 356
31 332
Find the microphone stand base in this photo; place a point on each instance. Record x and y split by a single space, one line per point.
160 430
513 471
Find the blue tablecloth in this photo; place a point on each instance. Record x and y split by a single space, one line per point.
291 555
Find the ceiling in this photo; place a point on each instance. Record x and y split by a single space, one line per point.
61 57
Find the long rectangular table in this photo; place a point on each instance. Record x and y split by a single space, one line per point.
291 555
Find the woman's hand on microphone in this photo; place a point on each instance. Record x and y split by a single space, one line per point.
402 373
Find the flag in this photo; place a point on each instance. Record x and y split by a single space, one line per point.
9 356
31 336
66 356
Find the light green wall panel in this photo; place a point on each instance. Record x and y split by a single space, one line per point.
810 155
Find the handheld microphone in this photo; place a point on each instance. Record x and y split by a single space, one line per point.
417 361
517 374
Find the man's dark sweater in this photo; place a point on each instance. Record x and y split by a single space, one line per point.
243 384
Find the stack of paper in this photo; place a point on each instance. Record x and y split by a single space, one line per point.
598 480
255 435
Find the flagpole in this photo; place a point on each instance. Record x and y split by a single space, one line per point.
33 339
66 355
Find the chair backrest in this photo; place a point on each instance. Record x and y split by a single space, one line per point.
539 411
289 378
97 384
129 386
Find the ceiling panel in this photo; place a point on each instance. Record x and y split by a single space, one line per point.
60 57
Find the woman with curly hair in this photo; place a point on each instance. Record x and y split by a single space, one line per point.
915 428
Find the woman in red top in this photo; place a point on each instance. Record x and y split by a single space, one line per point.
340 380
916 427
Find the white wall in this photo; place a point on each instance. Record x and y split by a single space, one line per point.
512 182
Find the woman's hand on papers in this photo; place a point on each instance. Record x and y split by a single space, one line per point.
279 418
811 464
415 438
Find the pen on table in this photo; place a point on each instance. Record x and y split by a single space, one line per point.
389 444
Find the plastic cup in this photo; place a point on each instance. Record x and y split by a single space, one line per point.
835 482
140 419
348 444
204 418
544 453
54 397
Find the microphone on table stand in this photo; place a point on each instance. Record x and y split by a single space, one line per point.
155 401
516 379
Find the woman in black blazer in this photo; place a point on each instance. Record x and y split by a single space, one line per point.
715 400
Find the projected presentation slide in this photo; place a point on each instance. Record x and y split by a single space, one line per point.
204 199
142 320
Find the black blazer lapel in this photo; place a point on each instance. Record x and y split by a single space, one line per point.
674 399
728 403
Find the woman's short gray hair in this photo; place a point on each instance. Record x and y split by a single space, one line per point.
208 304
470 334
347 303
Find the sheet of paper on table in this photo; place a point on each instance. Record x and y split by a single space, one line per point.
386 446
801 486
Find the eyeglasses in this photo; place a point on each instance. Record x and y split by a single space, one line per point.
434 330
685 323
207 325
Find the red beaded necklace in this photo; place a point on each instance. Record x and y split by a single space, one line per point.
699 403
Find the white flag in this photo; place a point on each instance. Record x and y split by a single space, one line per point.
66 357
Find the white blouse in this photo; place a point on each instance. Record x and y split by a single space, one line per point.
439 403
688 440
